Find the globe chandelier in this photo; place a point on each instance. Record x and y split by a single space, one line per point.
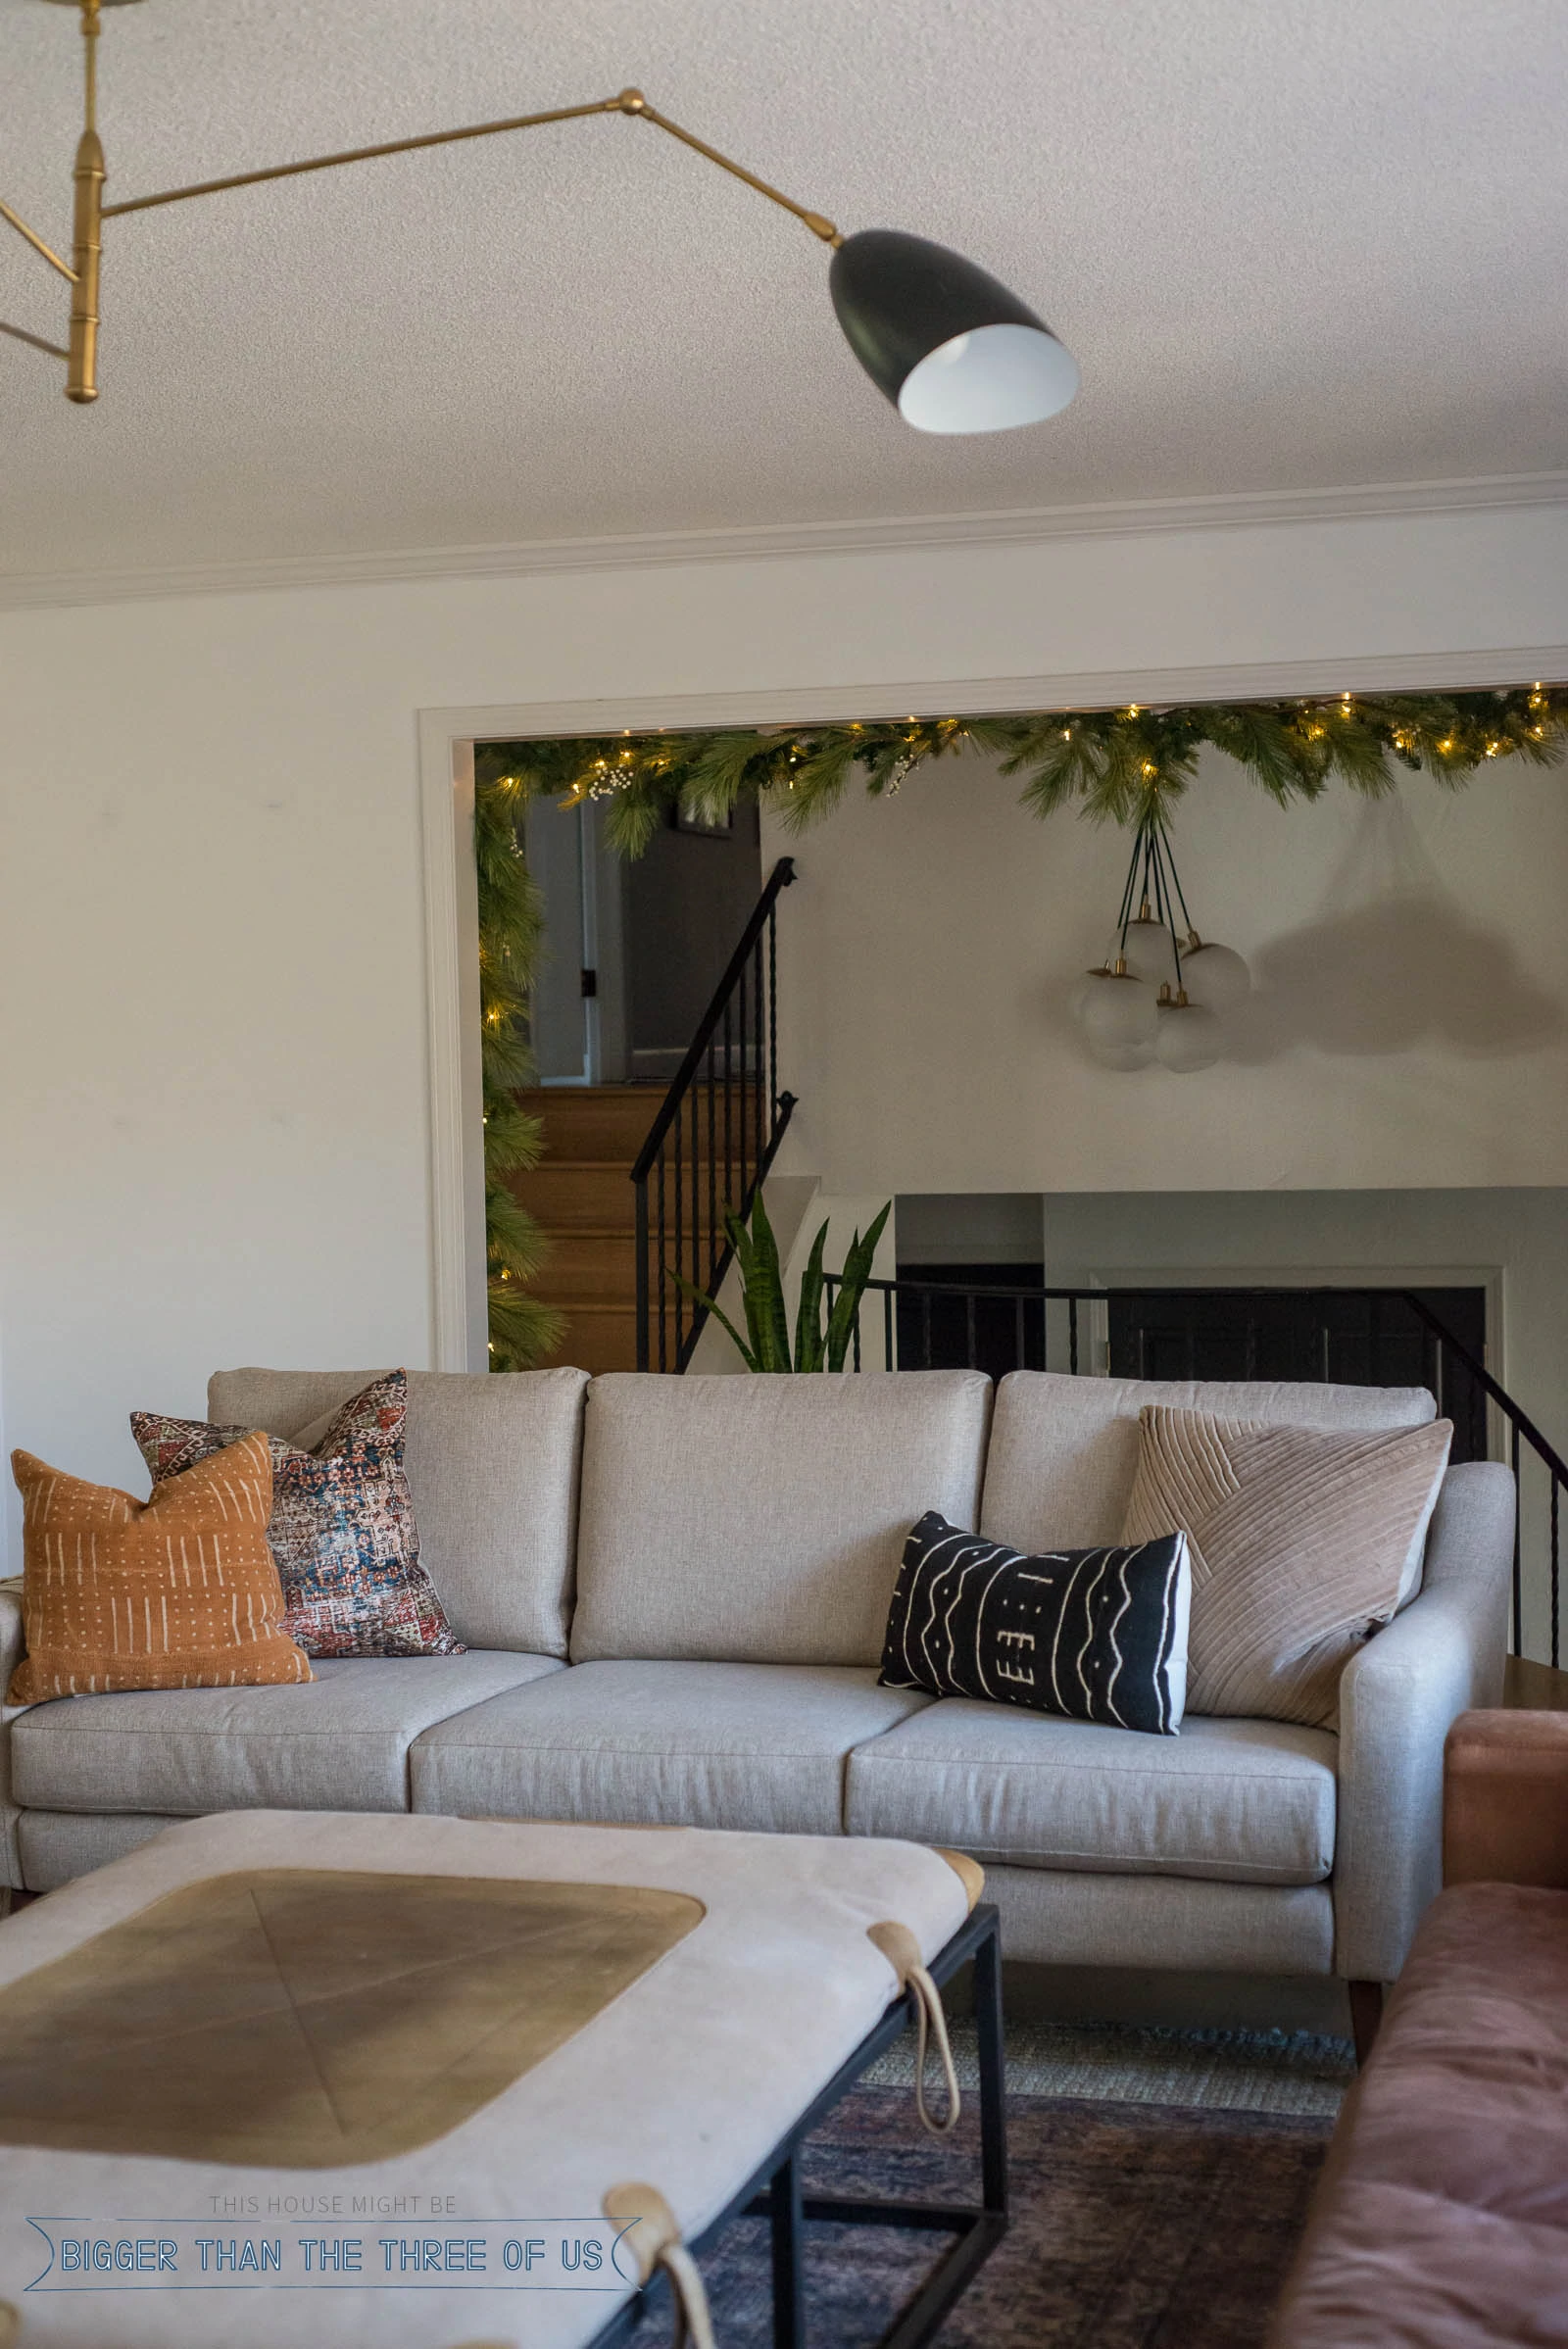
951 348
1163 993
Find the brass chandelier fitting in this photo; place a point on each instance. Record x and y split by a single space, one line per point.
953 349
1172 992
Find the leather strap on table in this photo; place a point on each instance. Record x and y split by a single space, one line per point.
655 2242
903 1953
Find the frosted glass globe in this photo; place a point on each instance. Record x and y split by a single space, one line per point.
1122 1056
1119 1012
1214 976
1079 992
1150 952
1188 1037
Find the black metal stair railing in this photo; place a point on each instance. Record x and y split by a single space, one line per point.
711 1146
941 1325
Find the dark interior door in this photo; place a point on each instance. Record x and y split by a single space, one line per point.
684 904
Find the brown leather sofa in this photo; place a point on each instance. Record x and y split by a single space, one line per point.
1441 2219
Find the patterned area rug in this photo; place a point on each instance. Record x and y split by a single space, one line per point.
1126 2063
1133 2227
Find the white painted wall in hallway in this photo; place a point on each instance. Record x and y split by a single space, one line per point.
1415 1033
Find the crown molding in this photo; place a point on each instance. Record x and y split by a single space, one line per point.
895 534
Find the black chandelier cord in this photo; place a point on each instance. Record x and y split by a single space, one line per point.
1128 887
1158 884
1170 858
1163 904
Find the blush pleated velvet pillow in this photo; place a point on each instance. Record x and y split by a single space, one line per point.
179 1591
1302 1544
342 1528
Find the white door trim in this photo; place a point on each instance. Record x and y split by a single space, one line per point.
459 1304
446 739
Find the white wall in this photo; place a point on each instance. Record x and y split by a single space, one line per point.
1411 1025
213 1112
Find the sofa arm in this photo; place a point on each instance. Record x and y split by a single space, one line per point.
11 1647
1505 1800
1440 1658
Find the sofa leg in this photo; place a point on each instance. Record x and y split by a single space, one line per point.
1366 2013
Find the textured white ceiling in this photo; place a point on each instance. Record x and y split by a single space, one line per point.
1293 243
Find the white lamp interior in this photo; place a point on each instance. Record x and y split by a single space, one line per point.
989 380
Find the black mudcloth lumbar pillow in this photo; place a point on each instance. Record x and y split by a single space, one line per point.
1093 1634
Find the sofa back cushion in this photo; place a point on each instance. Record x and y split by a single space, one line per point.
492 1461
1064 1451
761 1520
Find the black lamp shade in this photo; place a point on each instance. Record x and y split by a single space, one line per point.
952 349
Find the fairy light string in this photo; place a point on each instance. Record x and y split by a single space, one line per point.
1119 765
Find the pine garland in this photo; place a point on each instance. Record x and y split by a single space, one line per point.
1126 766
522 1331
1120 765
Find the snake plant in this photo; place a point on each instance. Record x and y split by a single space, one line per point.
767 1345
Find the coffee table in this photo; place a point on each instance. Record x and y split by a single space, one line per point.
421 2082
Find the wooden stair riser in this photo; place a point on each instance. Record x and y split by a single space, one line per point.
611 1123
575 1199
606 1123
598 1338
590 1267
581 1195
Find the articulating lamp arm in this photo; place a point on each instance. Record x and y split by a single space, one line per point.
30 236
626 102
91 211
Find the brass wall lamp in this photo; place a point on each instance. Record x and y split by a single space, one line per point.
951 348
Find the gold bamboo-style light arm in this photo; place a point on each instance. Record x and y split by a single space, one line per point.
36 242
86 234
90 209
330 163
632 102
626 102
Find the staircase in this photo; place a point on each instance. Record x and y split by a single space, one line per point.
581 1197
634 1184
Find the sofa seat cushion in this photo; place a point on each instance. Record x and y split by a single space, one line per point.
740 1745
1064 1451
337 1742
761 1520
1238 1801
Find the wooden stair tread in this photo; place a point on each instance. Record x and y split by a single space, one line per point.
581 1197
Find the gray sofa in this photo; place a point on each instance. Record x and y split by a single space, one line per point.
674 1593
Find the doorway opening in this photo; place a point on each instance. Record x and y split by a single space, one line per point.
633 948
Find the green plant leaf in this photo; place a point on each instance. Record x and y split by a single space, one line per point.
768 1279
710 1304
808 1315
857 1263
751 1298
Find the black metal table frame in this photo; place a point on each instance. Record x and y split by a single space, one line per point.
773 2189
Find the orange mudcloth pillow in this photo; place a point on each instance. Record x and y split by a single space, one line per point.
179 1591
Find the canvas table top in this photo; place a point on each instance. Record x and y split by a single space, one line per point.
280 2076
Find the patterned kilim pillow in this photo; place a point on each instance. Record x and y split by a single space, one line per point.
1093 1634
342 1527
